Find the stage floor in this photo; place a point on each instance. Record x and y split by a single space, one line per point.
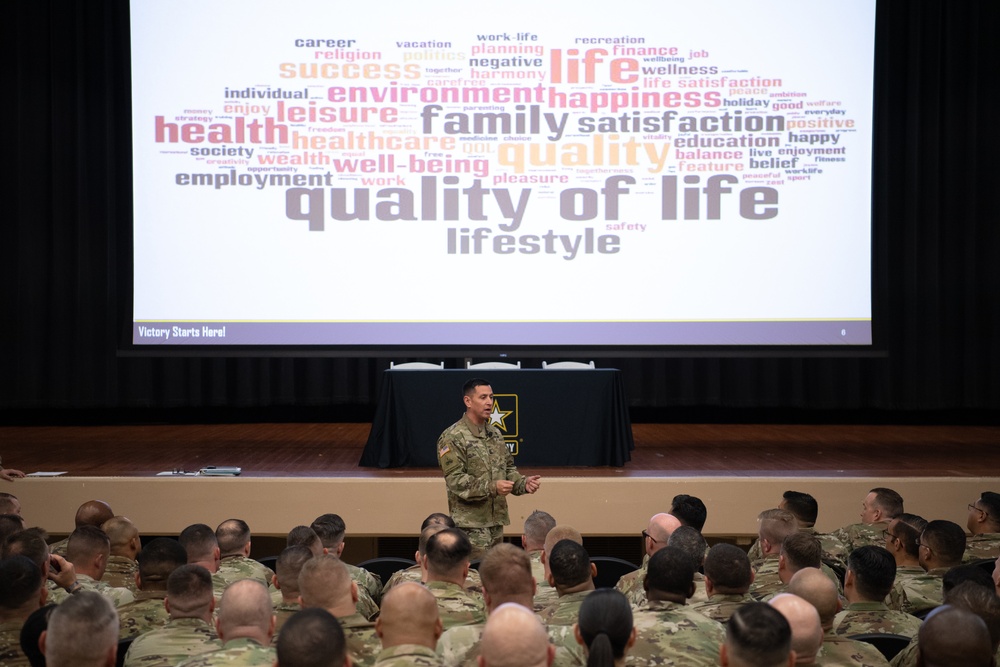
294 472
333 450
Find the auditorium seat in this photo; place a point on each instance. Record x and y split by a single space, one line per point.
568 365
610 570
887 644
386 566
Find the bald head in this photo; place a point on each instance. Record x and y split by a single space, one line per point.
953 636
93 513
560 533
409 615
818 590
660 528
514 637
246 611
807 632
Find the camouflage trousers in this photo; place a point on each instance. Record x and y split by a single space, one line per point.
482 539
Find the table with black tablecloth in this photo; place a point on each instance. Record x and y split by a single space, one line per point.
548 417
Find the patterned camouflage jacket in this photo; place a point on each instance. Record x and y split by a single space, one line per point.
839 651
537 568
459 646
721 607
981 547
473 583
405 655
833 549
861 535
235 568
368 581
456 605
121 572
923 591
362 642
675 631
865 617
473 460
240 652
118 596
545 596
11 654
147 612
767 583
566 609
283 612
178 640
631 585
908 656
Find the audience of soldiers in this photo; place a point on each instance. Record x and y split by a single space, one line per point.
798 597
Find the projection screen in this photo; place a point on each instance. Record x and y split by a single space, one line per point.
552 173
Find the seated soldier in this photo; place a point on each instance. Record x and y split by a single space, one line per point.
235 544
572 575
984 524
901 538
878 508
805 509
88 550
728 576
940 548
324 582
871 572
125 546
536 527
757 635
446 567
332 532
156 561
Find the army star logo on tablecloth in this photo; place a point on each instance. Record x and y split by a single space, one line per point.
506 419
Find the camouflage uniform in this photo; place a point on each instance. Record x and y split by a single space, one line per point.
366 580
365 605
236 652
839 651
537 568
473 583
569 653
118 596
405 655
981 547
923 591
700 594
121 572
362 642
631 585
908 656
766 583
146 613
566 609
545 596
459 646
670 629
861 535
178 640
235 568
456 605
11 654
473 459
834 550
57 594
721 607
866 617
283 612
59 548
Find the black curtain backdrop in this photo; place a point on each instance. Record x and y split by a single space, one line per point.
67 212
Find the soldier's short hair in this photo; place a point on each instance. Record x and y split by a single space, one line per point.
569 564
120 530
729 568
331 529
691 543
802 505
874 571
199 542
245 603
689 510
537 526
946 539
989 502
954 636
303 536
562 532
887 500
427 533
324 581
22 581
29 543
189 590
86 542
233 535
605 623
10 524
289 564
776 525
448 551
506 572
83 630
981 601
670 570
8 503
758 634
960 574
469 387
159 558
907 530
802 550
437 518
311 638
